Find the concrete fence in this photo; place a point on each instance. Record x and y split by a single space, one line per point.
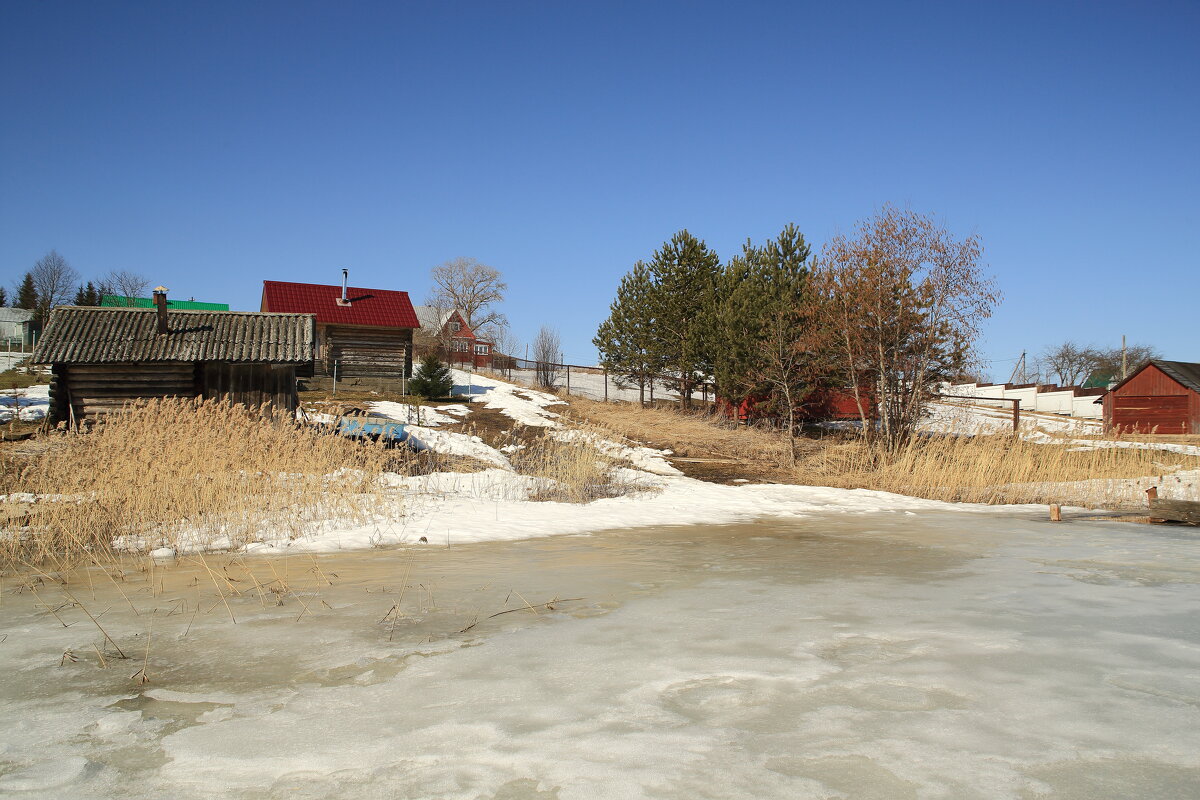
1067 401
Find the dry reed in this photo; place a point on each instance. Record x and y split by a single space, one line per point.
188 475
575 471
689 433
997 468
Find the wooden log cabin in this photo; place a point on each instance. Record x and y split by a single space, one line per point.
102 358
360 333
1158 397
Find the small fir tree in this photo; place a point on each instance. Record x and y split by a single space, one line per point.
80 297
3 297
27 296
432 379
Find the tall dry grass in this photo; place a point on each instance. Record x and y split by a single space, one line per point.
575 470
187 474
994 468
690 433
997 468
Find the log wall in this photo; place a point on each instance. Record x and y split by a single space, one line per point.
366 352
249 384
92 390
83 392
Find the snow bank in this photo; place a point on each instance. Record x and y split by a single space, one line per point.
28 405
493 505
456 444
526 406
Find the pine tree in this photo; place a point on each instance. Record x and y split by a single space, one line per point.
27 296
759 294
432 379
80 297
625 340
684 273
91 295
3 297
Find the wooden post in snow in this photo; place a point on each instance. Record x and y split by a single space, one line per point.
1055 512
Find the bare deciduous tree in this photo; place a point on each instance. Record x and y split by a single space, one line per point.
55 281
472 288
547 350
903 301
1070 363
125 284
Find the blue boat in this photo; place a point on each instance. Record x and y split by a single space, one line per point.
374 428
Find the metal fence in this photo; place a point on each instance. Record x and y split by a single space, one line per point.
592 382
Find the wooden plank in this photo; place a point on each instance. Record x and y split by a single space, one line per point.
1177 510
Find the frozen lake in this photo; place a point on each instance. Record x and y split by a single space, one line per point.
888 655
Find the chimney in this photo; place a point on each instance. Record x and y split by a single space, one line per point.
344 301
160 303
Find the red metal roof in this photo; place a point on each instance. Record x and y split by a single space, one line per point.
383 308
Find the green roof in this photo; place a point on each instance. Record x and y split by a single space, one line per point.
119 301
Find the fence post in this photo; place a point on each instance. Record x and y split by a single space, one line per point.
606 384
568 366
1016 415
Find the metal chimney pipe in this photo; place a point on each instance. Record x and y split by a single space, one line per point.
160 304
345 275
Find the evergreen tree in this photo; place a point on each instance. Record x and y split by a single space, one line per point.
626 339
27 296
684 273
80 297
432 379
92 295
3 297
759 294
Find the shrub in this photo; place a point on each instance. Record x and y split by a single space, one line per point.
432 379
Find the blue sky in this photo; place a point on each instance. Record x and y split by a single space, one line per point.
210 146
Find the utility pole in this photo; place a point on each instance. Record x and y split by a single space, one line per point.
1018 367
1124 359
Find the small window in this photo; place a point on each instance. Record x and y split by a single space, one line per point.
460 346
454 326
481 349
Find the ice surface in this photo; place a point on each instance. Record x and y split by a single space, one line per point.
933 655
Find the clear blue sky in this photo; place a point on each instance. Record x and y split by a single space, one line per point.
212 145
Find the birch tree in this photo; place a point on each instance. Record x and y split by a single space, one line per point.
904 301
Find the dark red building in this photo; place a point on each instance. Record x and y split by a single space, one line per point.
457 343
1160 397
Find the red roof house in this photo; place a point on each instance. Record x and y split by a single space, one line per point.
456 342
361 333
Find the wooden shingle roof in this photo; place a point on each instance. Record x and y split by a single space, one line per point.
118 335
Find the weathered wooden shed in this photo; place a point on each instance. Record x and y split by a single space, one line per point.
101 358
361 333
1159 397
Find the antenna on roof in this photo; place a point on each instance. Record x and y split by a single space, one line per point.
344 301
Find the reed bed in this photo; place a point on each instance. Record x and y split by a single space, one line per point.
575 471
688 433
187 474
1001 468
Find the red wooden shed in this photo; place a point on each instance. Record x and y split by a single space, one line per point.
1159 397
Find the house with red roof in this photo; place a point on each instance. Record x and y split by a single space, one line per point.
360 333
454 340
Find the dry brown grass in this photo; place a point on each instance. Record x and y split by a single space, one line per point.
576 471
997 468
695 433
182 473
